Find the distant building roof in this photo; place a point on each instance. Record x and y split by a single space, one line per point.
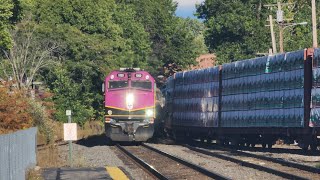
205 61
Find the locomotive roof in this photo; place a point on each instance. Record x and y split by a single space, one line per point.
130 69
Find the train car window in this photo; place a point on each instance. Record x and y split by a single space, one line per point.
118 84
141 84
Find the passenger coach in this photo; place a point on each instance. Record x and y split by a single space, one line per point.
129 105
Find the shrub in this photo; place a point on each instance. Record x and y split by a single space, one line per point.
42 120
14 113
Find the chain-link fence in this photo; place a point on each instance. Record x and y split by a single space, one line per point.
17 153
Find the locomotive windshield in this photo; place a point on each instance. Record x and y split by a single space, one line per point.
118 84
141 84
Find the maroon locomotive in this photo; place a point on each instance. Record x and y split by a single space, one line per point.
129 105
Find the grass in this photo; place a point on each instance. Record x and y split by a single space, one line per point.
90 128
34 175
49 156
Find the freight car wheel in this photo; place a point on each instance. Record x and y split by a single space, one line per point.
313 147
264 145
270 145
109 142
253 144
241 144
137 143
247 144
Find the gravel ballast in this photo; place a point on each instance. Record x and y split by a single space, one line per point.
226 168
100 156
290 153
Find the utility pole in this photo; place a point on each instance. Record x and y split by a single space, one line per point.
314 24
280 21
282 25
274 46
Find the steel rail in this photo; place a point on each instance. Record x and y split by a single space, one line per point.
56 143
189 164
247 164
279 161
145 165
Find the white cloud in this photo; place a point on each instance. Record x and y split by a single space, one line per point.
188 3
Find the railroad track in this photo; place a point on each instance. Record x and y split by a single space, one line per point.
56 143
275 160
165 166
274 166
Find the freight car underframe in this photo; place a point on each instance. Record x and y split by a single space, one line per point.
250 136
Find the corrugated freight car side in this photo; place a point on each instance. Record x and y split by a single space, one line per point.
195 101
315 91
249 102
168 107
264 92
196 98
267 98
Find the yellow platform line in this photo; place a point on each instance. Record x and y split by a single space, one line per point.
116 173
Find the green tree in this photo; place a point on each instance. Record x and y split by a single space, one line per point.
235 29
6 7
137 42
96 37
27 55
173 39
69 94
299 37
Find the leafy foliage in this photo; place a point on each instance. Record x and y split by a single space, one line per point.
5 13
28 54
14 110
173 38
70 94
236 29
42 119
95 37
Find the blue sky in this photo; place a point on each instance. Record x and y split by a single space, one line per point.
186 8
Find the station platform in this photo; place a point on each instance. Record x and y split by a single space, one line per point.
65 173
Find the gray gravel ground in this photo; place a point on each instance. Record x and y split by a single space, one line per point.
103 155
310 159
100 156
226 168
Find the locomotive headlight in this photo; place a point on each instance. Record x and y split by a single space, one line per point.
109 112
130 99
149 113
